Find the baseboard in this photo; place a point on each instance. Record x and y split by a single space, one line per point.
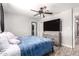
67 45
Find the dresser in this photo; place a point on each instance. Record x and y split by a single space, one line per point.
54 35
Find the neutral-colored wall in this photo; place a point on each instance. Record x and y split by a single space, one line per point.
40 28
17 23
67 29
66 17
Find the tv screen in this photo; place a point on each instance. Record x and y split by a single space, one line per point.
53 25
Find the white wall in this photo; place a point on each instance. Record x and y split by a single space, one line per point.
66 17
67 29
40 28
17 23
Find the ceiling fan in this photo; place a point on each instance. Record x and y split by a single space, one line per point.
42 11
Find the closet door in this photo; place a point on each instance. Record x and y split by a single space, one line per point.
1 18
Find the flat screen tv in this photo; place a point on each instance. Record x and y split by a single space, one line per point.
53 25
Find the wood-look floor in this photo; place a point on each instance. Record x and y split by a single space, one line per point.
64 51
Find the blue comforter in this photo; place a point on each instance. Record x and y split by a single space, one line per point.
35 46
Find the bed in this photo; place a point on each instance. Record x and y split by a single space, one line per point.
35 46
26 46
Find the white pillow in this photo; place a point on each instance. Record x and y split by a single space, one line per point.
14 41
9 35
4 44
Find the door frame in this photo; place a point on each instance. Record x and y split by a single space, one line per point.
35 28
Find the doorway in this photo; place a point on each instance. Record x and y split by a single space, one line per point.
34 28
77 30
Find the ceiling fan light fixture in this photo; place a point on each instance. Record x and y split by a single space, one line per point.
42 11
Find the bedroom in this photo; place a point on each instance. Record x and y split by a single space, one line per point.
18 19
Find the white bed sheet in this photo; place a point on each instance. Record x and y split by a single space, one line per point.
13 50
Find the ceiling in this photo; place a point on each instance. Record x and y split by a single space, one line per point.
25 9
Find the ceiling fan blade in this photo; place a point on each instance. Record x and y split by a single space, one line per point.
36 14
34 10
48 13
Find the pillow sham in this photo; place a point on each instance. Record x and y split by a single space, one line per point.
9 35
14 41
